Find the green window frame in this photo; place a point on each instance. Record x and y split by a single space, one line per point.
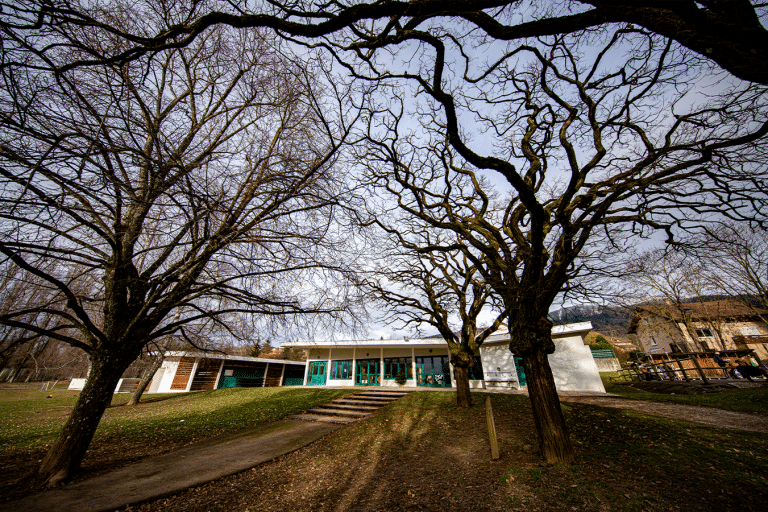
433 371
393 365
341 369
316 373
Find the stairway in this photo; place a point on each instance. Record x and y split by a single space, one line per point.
351 408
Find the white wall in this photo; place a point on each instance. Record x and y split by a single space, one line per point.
157 380
77 384
498 366
168 370
574 367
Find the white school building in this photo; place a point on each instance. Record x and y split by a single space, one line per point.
425 362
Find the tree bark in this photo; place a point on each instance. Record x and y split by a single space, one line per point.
463 395
156 364
554 442
67 452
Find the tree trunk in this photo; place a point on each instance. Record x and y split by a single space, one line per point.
554 441
67 452
463 396
156 364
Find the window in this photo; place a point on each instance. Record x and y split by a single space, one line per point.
341 369
749 330
704 333
394 365
653 341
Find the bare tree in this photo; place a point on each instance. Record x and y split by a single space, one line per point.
585 140
735 259
663 286
729 32
157 355
442 289
28 297
200 178
594 115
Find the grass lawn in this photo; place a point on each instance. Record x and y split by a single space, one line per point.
29 422
420 453
423 453
741 400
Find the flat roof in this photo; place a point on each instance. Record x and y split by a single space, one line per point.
227 357
558 331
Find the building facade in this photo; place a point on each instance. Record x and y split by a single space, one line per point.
183 372
205 371
425 362
721 325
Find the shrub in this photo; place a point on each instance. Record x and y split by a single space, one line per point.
600 344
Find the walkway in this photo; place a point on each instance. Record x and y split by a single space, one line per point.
710 416
190 466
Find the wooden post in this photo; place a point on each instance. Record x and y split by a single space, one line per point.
701 372
639 374
656 371
682 369
491 429
669 371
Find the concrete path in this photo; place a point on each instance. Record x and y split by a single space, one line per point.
167 474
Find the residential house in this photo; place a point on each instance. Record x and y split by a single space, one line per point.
719 325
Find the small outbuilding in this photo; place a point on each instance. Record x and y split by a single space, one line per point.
205 371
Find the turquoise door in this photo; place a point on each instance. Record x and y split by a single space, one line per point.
367 372
316 373
433 371
520 371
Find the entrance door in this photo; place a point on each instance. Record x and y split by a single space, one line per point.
434 371
316 373
520 371
367 372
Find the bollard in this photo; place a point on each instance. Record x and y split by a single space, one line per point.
491 430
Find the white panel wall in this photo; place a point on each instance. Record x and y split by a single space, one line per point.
168 371
574 367
498 366
157 380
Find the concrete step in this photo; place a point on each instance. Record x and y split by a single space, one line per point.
362 403
351 407
371 398
338 412
361 408
324 419
376 396
384 392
